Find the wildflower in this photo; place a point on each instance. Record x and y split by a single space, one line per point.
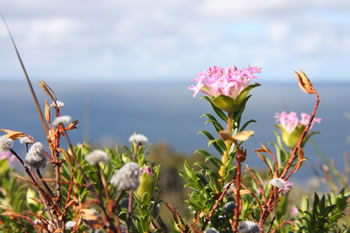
146 182
57 104
36 157
291 127
147 170
97 156
218 81
5 143
127 178
248 227
279 183
70 224
227 87
138 139
62 120
26 140
211 230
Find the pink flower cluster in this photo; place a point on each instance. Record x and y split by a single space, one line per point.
228 81
290 121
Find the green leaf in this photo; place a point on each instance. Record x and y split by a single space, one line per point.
308 136
225 103
219 142
211 137
208 157
246 124
218 111
214 121
245 92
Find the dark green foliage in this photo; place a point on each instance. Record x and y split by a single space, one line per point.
323 214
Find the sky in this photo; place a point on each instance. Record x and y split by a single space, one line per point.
173 40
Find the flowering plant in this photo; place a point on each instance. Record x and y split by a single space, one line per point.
227 87
291 127
92 190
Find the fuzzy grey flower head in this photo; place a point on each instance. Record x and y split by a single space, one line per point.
36 157
5 143
26 140
62 120
97 156
279 183
127 178
211 230
57 104
248 227
138 139
70 224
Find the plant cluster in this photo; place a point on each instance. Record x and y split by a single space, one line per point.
115 190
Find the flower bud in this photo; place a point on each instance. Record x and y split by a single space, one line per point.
291 127
146 182
127 178
5 143
36 156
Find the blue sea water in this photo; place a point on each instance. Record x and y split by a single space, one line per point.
166 112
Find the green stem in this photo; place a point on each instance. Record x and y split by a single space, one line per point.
228 144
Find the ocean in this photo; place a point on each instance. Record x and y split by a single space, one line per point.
109 112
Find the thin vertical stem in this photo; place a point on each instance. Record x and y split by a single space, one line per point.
44 182
228 144
238 188
129 211
275 210
28 80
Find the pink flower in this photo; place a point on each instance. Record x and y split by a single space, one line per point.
305 119
290 121
147 170
223 81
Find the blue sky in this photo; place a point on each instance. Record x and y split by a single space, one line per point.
173 40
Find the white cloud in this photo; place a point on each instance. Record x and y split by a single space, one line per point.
52 31
175 37
277 32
